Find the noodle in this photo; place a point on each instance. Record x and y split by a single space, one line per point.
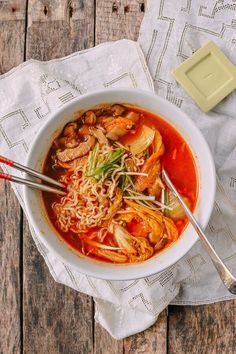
86 203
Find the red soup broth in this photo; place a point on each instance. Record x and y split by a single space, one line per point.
178 161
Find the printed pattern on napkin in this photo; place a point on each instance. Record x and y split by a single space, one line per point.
169 35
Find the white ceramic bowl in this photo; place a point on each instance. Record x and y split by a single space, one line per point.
206 174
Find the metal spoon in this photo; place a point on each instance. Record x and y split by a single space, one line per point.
226 276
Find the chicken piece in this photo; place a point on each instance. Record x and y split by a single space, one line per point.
105 121
90 118
117 109
79 151
72 165
115 133
133 116
118 127
99 136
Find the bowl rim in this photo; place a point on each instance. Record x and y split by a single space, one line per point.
111 274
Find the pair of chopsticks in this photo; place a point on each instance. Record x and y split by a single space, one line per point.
33 173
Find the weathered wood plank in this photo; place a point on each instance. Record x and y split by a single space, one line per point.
12 33
58 28
56 318
207 329
151 341
10 290
118 19
104 343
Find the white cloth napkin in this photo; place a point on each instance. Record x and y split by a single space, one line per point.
32 91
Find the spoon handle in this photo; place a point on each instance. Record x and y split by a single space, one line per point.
226 276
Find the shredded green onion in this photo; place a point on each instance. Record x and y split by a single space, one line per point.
101 166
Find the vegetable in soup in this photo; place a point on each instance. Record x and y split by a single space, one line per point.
117 207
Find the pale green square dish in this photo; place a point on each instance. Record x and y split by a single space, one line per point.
208 76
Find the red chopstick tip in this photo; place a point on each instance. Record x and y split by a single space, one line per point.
6 161
5 176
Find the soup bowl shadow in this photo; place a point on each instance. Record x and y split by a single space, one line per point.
48 235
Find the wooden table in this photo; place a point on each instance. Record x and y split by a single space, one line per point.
39 316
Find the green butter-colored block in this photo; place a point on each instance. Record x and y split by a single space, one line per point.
208 76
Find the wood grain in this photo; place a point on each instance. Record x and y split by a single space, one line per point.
59 27
104 343
151 341
10 300
12 33
207 329
57 319
118 19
